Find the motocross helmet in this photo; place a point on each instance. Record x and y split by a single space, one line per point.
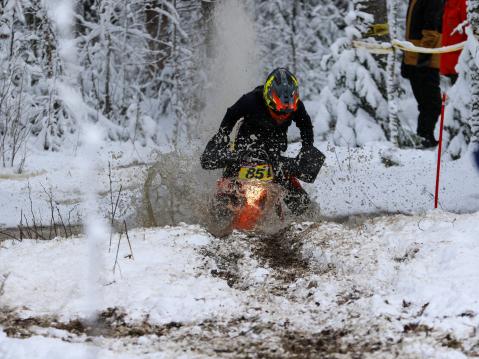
281 93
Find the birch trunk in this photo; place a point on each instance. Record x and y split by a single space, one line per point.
473 17
392 81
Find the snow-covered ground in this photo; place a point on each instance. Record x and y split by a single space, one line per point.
377 273
385 287
379 178
383 276
375 179
60 173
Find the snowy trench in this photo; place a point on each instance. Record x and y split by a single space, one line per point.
390 286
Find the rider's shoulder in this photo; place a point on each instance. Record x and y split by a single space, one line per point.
256 93
253 97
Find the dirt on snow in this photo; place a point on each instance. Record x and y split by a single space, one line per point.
264 332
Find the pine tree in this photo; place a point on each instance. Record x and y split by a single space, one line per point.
457 126
353 104
30 70
462 111
140 66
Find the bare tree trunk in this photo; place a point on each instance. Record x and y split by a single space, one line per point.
378 9
157 27
12 35
207 11
294 15
108 107
49 46
473 17
152 23
176 102
392 81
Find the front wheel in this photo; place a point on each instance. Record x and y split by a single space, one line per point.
220 216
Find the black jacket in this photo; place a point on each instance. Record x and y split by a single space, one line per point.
257 132
423 15
423 28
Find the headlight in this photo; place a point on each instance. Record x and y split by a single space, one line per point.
253 193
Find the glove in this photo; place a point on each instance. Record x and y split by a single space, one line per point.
310 160
423 60
288 164
285 167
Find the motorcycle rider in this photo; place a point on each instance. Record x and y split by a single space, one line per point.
266 113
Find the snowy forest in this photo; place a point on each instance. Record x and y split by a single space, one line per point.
109 245
147 71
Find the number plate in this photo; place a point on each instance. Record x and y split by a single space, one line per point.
259 172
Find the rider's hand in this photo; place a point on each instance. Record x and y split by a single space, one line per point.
287 165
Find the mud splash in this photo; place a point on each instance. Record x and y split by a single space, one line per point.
280 315
110 323
176 190
242 337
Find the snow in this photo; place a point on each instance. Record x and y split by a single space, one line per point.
444 267
49 348
161 277
353 180
409 46
61 172
386 273
377 273
356 180
389 272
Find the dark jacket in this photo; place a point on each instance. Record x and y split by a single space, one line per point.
258 131
423 28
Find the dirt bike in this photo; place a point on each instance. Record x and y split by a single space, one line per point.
250 198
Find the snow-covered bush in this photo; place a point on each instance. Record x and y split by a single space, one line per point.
29 67
141 69
457 129
134 69
462 113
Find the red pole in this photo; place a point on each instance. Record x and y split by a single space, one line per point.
439 150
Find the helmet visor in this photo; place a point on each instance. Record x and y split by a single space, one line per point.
287 104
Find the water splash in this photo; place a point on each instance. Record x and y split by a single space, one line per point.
234 69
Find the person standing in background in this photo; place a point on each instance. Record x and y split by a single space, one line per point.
455 14
423 28
475 155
